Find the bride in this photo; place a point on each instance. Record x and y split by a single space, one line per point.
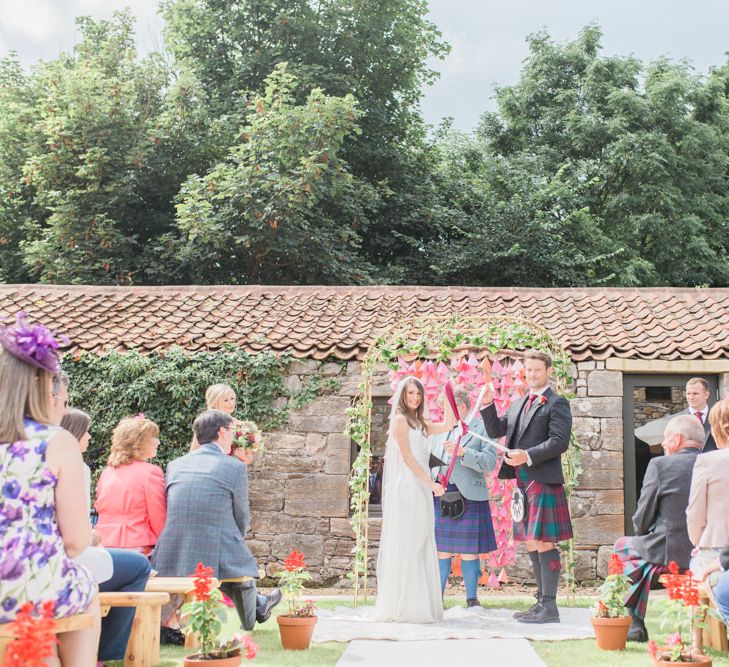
408 580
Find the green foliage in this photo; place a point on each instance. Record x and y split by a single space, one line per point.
282 207
169 388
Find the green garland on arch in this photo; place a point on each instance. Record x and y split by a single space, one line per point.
440 339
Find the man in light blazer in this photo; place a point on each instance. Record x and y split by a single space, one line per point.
537 429
661 534
208 516
697 397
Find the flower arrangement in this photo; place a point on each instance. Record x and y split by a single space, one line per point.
248 436
610 604
292 578
34 637
205 616
684 610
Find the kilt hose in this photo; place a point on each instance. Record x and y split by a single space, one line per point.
472 533
547 513
640 572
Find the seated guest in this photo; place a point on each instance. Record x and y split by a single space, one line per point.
44 520
208 516
472 533
129 570
720 582
130 493
660 519
707 514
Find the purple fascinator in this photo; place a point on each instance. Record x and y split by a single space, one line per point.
35 344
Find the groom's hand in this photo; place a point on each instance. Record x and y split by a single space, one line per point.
488 396
515 457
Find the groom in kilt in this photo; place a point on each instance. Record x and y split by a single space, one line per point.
537 429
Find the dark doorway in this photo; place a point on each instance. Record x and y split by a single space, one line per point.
647 401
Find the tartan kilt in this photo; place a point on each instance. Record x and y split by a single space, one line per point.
472 533
547 515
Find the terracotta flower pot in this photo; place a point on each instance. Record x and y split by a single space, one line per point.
198 661
296 631
699 659
611 633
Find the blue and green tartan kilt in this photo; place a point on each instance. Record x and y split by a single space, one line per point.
472 533
547 513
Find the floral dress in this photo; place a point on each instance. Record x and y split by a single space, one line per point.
33 562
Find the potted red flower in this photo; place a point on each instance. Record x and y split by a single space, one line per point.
205 616
610 622
33 637
684 610
296 627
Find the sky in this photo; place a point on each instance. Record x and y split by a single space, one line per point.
487 37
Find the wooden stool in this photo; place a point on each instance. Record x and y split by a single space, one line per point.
184 586
68 624
714 634
143 645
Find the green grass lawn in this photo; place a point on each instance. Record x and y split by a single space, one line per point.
556 654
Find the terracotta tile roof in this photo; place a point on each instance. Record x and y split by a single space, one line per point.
320 322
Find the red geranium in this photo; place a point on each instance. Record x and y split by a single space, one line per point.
294 561
203 581
615 566
34 637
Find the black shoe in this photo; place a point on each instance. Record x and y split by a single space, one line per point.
541 615
532 609
472 602
638 631
263 613
171 637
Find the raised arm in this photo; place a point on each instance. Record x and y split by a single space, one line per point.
449 421
400 432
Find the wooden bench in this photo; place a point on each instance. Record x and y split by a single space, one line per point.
143 645
68 624
714 634
184 586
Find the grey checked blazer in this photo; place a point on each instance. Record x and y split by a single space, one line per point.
207 516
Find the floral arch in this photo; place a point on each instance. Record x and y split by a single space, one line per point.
472 351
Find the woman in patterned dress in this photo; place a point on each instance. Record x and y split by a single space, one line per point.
43 517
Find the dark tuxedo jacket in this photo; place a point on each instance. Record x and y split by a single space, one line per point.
660 520
544 432
709 444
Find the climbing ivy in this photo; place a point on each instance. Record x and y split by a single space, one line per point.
442 338
169 388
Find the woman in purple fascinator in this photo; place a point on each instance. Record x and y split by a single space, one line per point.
43 518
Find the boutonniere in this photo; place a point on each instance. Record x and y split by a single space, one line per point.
542 400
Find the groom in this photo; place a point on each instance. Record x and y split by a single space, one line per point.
537 429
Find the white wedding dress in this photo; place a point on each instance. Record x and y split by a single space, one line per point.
408 582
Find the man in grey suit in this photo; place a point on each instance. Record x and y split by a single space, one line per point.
208 516
660 520
697 397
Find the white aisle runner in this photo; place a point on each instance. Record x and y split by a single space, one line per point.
440 653
345 624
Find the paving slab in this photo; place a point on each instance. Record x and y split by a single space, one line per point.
440 653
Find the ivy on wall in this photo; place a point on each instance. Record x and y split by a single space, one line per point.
442 339
169 388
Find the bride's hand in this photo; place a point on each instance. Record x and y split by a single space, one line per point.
437 489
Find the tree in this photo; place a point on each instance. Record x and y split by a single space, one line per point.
283 206
88 161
